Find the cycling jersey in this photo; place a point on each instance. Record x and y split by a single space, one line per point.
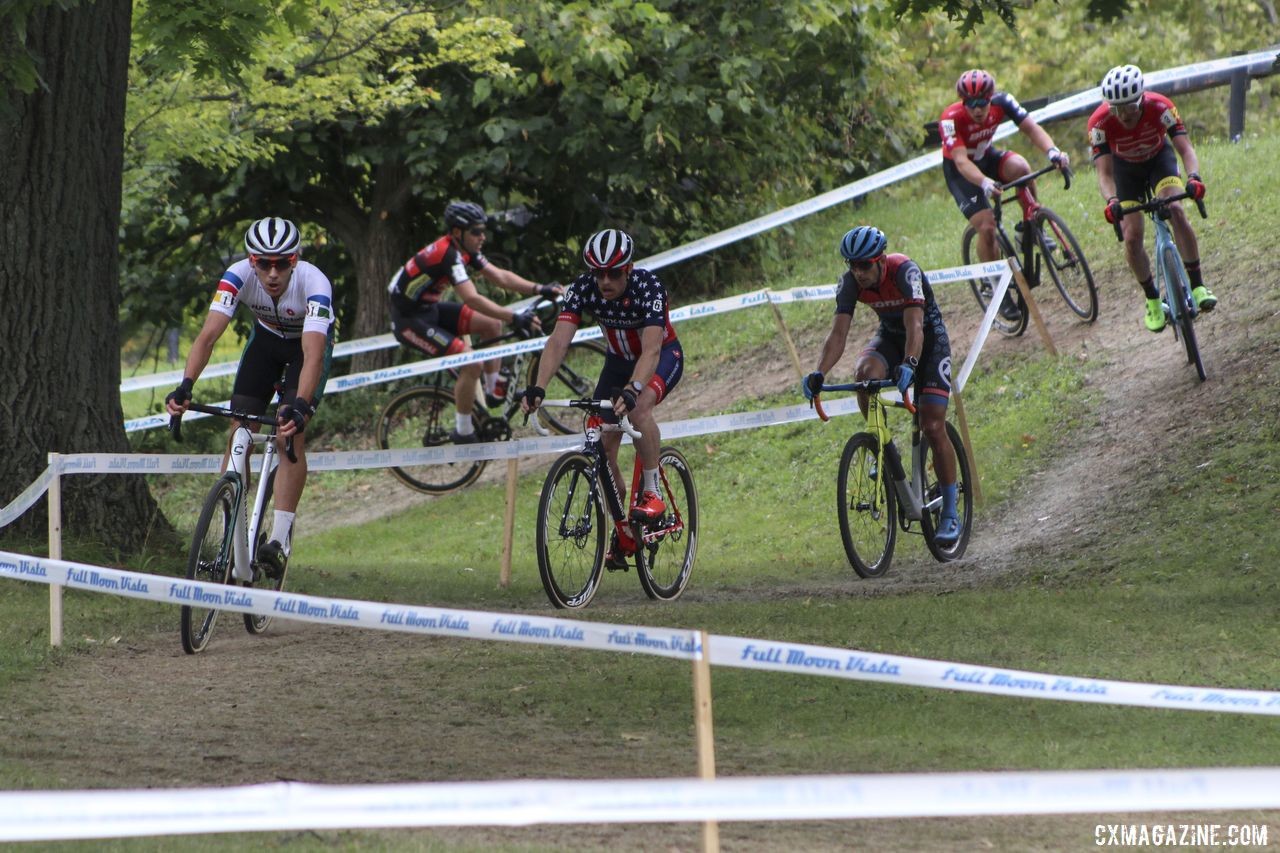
958 129
1159 118
442 264
305 306
643 303
903 285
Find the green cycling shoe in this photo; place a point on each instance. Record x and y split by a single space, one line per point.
1155 318
1205 300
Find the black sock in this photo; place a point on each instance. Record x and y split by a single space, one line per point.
1149 288
1193 273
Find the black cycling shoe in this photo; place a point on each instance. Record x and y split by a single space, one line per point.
458 438
272 558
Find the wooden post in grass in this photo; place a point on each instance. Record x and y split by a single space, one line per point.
703 731
1020 281
509 523
968 445
786 336
55 549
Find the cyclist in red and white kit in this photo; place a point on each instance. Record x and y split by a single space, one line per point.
1134 134
422 321
292 301
974 168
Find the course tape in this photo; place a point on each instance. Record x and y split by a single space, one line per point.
739 652
27 497
276 806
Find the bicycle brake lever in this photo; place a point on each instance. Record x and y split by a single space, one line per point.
175 427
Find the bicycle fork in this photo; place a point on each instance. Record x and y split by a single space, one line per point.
241 444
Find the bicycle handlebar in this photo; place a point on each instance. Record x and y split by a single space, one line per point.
1026 179
175 422
1155 204
868 386
591 405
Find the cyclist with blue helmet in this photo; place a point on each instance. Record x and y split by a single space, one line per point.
911 341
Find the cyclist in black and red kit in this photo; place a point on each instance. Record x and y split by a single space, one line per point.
974 168
419 319
643 361
911 342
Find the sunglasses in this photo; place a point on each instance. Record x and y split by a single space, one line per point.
975 103
611 274
281 264
863 266
477 231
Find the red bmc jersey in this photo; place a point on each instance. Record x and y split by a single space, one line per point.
442 264
902 286
1141 142
957 129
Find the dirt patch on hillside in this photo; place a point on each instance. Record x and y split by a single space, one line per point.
145 715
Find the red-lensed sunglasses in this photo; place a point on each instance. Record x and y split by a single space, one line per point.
281 264
864 266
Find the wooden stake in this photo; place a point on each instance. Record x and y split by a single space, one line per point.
54 497
702 720
968 446
509 523
786 336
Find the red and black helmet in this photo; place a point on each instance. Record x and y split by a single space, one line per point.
976 84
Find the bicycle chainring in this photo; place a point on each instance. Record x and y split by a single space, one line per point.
494 429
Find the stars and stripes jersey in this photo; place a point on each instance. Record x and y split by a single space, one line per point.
903 285
305 306
643 303
1159 118
957 129
440 265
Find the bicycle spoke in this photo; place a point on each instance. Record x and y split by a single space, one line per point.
866 509
669 543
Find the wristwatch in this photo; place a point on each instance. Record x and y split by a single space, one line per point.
911 361
635 386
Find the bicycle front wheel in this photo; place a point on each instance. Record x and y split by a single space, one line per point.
867 509
575 378
1066 264
932 515
1178 292
665 547
571 532
209 559
425 417
1011 319
253 623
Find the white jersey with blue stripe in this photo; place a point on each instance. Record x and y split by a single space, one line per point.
305 306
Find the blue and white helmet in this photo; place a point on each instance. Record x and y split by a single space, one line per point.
608 249
272 236
864 243
1122 85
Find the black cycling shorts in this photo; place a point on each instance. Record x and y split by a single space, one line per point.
969 197
617 373
1136 181
933 376
435 329
268 359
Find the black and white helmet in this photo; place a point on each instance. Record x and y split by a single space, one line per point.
1122 85
463 214
608 249
272 236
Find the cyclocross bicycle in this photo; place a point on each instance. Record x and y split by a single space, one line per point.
229 533
424 415
876 495
1047 247
580 490
1171 275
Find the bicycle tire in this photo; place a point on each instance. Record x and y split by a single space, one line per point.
209 559
424 416
983 288
576 377
1067 265
253 623
933 498
867 510
570 532
666 547
1178 293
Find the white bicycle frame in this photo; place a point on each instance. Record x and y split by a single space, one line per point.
248 524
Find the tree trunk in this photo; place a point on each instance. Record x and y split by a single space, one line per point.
59 274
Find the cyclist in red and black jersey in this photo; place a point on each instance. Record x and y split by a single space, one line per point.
1134 134
974 167
911 341
421 320
643 363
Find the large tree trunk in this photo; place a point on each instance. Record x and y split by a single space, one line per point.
59 279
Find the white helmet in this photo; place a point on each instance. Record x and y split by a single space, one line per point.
1122 85
608 249
272 236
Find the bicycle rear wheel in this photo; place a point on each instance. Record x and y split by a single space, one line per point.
1066 265
209 560
576 377
933 500
571 532
253 623
666 546
424 417
1178 293
868 511
1011 319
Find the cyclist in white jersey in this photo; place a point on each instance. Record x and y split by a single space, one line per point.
292 339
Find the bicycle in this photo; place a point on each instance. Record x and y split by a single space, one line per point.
228 533
1171 275
577 493
870 511
1047 246
425 415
